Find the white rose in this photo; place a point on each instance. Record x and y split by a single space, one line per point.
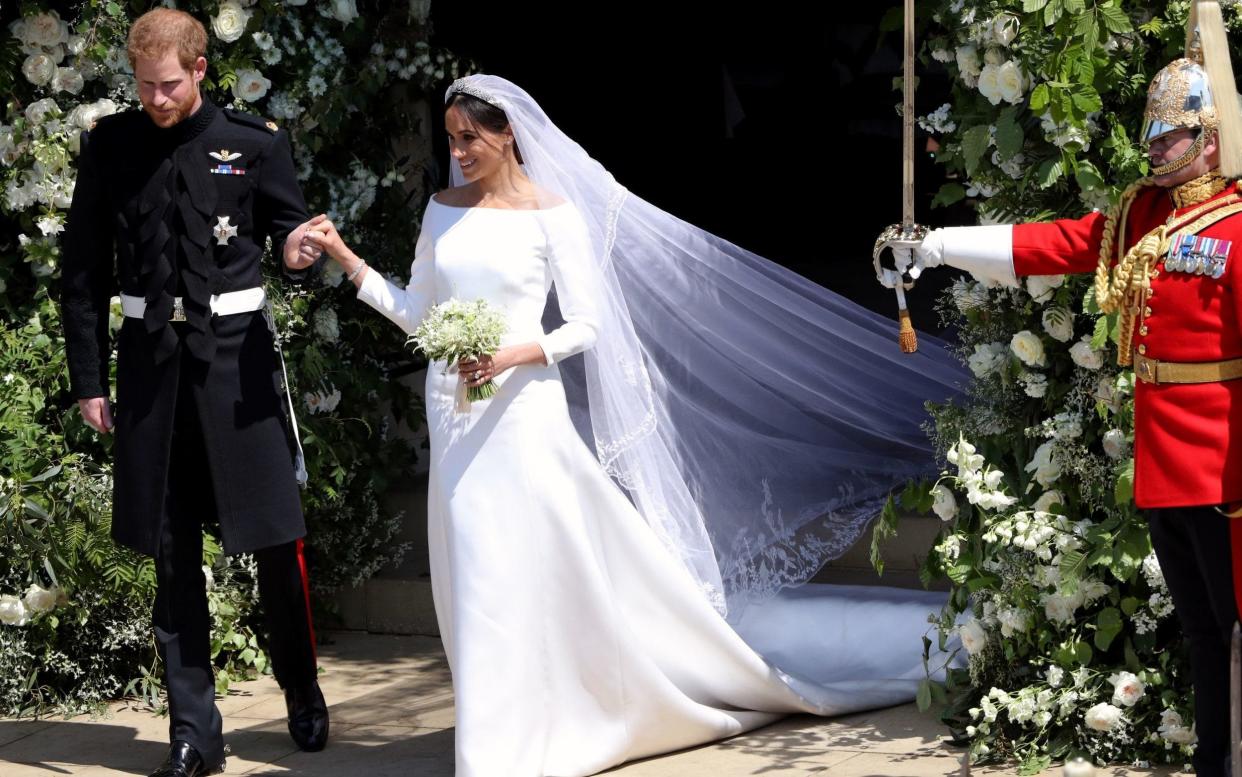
67 79
989 84
1005 28
1103 717
38 111
1027 346
993 56
1010 81
76 44
1047 501
1045 467
1173 729
39 599
1060 608
12 611
1040 286
45 29
974 638
943 504
344 11
39 69
1085 356
968 60
1014 621
1127 688
1115 445
230 21
86 114
250 85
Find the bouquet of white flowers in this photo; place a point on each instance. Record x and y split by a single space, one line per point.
455 330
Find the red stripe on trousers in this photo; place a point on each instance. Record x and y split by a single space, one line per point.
310 624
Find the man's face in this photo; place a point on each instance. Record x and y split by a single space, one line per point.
168 91
1170 146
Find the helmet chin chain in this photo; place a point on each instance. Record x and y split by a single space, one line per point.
1183 160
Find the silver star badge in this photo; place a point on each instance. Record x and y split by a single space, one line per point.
224 230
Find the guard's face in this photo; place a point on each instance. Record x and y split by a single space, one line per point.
169 92
479 151
1170 146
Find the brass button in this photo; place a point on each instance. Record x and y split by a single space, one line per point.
1146 311
1143 331
1155 274
1142 349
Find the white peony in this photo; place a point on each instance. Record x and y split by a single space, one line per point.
968 60
39 599
1085 356
84 115
12 611
1040 287
1044 466
1059 324
987 358
989 83
1014 621
230 21
1127 688
973 636
39 69
1027 346
250 85
344 11
68 79
1103 717
38 111
1174 730
1010 82
45 30
1115 444
943 504
1005 28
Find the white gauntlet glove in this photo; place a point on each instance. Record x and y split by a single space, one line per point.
984 252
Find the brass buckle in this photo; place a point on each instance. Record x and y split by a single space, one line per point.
1147 370
178 311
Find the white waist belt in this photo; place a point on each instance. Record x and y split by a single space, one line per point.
226 304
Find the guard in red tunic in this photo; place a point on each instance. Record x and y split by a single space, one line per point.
1168 259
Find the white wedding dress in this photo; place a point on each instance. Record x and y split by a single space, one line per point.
576 640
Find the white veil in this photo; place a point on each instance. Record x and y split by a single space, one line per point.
757 420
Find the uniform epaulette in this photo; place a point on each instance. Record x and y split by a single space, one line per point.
251 120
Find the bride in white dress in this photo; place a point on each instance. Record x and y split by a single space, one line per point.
580 582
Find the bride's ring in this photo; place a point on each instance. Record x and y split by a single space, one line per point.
477 374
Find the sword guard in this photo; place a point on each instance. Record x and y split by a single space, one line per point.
906 235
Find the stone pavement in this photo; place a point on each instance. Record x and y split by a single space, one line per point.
392 716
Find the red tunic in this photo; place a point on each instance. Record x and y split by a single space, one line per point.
1187 437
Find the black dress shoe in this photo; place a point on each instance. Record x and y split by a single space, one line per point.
184 761
308 716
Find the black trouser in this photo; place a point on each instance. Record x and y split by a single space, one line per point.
1192 544
181 618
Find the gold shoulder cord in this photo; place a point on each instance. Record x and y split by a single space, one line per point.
1123 288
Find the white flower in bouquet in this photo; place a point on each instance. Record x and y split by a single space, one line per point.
968 60
326 324
1055 676
1014 620
1027 346
76 44
1107 393
993 56
943 503
1035 384
974 637
39 599
39 69
45 30
1048 500
322 401
1115 444
344 11
230 21
250 85
332 275
986 359
263 40
1152 572
68 79
1005 28
1059 324
12 611
1127 688
209 578
1093 590
272 56
84 115
455 330
1173 729
1014 167
1044 465
964 456
1011 82
39 110
1103 717
942 55
1085 356
52 224
989 83
1040 287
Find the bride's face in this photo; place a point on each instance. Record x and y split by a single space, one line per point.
478 150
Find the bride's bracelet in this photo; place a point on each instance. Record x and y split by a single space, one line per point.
362 265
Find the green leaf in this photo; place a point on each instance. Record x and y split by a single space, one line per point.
1031 6
1107 627
1083 653
1040 97
1123 492
949 194
1115 19
1088 177
1050 172
1075 6
923 697
1129 605
1009 135
1099 337
1034 763
1073 564
883 529
974 146
893 20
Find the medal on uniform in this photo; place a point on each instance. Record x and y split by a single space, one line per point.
1196 255
223 230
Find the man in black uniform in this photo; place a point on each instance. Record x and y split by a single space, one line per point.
184 196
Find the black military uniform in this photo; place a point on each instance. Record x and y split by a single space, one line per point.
200 428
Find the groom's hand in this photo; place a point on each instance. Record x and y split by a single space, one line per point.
299 255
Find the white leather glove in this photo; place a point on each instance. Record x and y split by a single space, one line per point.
929 253
984 252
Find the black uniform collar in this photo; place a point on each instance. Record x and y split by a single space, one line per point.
192 126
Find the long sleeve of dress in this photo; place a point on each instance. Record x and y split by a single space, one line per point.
575 275
404 307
